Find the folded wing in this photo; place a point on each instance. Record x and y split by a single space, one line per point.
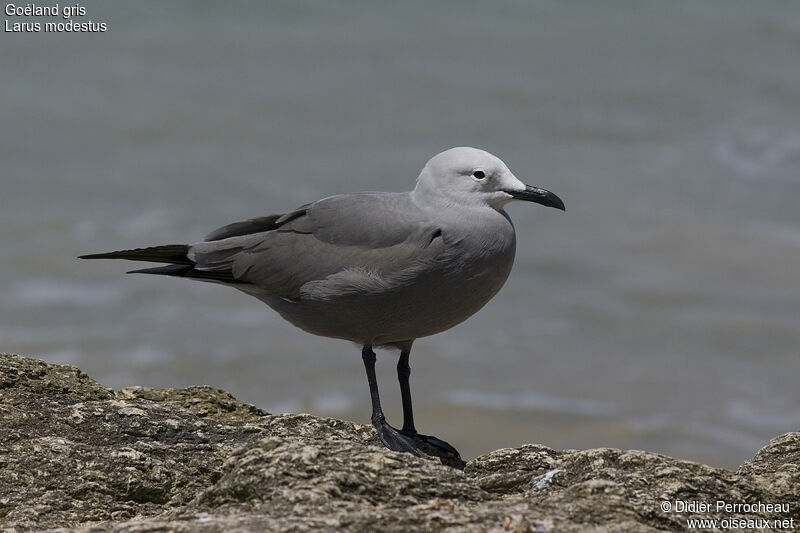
355 242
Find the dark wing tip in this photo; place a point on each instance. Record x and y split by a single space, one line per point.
168 253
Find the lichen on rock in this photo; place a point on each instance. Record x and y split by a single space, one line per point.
81 457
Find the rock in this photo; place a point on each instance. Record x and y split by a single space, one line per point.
78 456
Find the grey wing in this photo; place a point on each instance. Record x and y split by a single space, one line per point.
362 242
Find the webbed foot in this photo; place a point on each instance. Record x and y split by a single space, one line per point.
394 439
436 447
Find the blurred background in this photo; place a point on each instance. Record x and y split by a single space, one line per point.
660 312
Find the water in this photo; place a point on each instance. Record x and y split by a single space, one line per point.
660 312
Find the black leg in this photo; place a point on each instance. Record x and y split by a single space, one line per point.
403 373
390 437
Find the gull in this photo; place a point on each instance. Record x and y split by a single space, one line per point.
379 269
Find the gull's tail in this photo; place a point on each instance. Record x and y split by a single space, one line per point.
170 253
176 255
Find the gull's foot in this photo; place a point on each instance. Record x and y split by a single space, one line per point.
436 447
395 440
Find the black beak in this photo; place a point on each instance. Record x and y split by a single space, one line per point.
540 196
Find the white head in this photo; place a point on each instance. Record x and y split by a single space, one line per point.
470 176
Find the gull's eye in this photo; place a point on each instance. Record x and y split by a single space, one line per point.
479 175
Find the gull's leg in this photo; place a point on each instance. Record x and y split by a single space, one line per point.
403 373
390 437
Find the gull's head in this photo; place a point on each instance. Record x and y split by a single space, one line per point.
471 176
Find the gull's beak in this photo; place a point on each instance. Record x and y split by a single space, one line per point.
540 196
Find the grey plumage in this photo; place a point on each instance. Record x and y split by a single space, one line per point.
373 268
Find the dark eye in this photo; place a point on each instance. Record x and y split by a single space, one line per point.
478 175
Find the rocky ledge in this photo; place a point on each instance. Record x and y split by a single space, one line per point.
75 455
